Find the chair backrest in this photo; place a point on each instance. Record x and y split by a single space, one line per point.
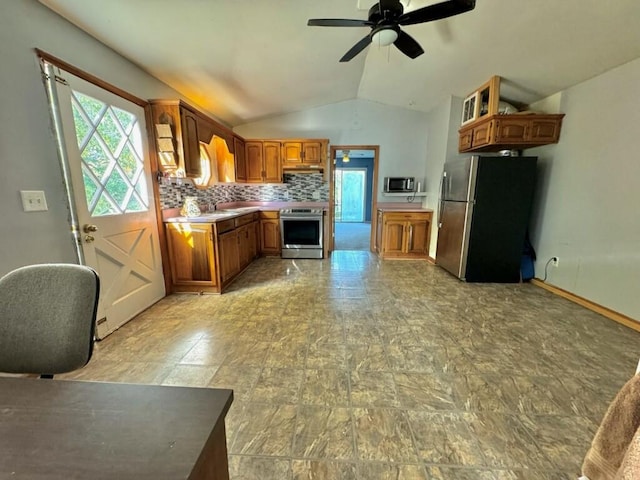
47 318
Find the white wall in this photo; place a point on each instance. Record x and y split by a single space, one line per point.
442 145
27 145
586 207
400 132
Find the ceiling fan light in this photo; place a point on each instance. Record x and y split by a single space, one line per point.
384 37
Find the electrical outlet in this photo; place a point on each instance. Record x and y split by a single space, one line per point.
555 261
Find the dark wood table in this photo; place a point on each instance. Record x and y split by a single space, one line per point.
56 429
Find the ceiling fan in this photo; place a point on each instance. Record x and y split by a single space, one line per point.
385 19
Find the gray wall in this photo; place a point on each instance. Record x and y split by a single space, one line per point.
27 145
586 209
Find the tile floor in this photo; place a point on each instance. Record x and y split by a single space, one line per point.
353 368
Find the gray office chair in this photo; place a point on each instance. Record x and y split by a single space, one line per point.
47 318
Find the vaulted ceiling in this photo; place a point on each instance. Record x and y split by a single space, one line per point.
242 60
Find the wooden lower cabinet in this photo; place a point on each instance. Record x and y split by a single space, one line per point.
247 243
228 255
205 257
270 243
191 255
403 234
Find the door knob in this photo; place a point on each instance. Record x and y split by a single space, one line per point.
89 238
88 228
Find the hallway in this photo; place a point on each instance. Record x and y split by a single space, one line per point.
352 236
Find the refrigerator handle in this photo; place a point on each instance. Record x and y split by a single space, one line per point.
441 202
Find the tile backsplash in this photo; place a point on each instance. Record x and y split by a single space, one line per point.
297 187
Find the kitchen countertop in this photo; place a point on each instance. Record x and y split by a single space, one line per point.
234 209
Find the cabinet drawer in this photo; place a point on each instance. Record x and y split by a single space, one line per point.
400 216
244 219
270 214
225 225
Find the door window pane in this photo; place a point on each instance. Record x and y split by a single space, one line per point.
110 144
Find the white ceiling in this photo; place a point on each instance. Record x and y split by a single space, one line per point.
247 59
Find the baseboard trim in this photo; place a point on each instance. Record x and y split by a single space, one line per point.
431 260
607 312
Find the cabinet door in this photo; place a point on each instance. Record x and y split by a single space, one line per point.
465 140
272 162
544 130
190 143
312 153
394 238
240 160
191 254
417 237
252 240
270 243
229 255
253 153
482 134
511 130
291 153
244 255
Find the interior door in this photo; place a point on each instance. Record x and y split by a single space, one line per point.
105 137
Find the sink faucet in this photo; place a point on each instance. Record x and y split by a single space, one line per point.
213 206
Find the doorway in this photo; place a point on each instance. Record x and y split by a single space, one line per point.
351 196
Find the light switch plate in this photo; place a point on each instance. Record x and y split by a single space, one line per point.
33 200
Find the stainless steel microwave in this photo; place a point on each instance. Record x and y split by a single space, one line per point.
399 184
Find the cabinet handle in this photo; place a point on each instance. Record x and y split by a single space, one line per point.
410 237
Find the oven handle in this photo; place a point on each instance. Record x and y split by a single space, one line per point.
301 218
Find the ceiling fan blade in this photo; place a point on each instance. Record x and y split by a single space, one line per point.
437 11
338 22
407 45
356 49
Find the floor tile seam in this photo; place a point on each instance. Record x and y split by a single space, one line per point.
415 443
354 431
532 438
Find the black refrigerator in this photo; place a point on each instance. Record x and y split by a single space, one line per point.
483 215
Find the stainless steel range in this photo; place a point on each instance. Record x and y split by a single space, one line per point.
301 230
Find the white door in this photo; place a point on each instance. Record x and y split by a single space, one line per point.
105 137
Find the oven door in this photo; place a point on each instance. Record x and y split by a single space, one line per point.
301 232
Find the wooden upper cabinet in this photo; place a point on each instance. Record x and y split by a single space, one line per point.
301 153
510 132
190 143
178 130
485 129
272 164
253 159
263 160
313 152
240 159
291 153
545 129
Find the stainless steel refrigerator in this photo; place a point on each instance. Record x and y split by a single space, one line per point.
485 203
